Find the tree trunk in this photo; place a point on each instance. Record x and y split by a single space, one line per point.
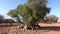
25 27
18 19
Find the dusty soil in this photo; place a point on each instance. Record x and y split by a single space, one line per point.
41 31
49 30
49 24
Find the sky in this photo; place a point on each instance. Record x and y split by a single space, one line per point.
55 7
6 5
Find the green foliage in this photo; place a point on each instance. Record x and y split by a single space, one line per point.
32 11
12 13
51 18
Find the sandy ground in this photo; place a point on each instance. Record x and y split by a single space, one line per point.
48 30
49 24
53 28
42 31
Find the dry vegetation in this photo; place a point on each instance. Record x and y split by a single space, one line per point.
15 30
34 31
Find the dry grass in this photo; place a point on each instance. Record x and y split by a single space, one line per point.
22 31
44 30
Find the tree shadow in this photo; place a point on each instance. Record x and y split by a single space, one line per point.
50 28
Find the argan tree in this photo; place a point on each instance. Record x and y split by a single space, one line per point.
14 14
51 18
32 11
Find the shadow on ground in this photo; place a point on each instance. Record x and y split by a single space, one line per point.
50 28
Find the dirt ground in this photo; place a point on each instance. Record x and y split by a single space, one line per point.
48 30
42 31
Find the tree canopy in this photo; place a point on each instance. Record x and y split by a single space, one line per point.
32 11
51 18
